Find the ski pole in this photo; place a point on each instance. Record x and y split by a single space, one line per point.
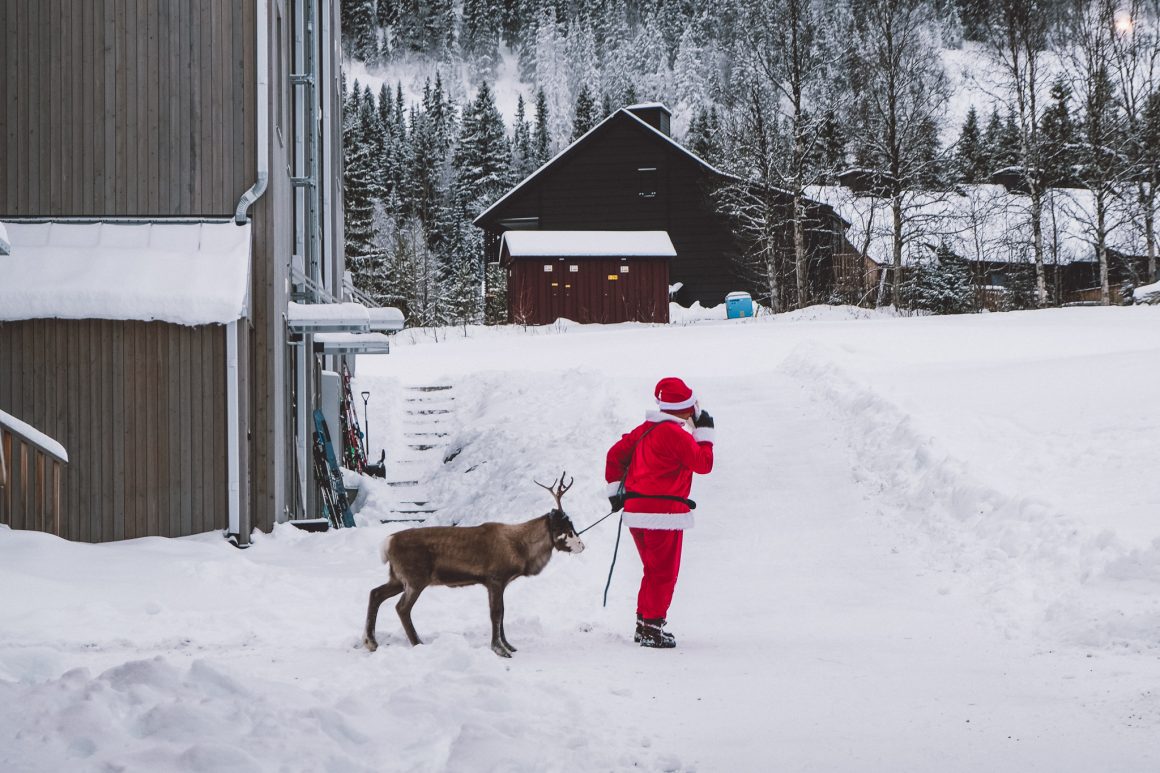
366 435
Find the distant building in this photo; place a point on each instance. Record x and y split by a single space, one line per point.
628 175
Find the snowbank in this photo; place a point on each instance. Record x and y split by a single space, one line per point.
927 543
1148 294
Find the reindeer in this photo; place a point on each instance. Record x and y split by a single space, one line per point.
491 554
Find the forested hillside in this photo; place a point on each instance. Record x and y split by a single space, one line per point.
925 95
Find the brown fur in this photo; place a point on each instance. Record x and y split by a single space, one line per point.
492 555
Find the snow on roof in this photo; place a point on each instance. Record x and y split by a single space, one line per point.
339 317
983 223
184 273
581 138
648 106
529 244
33 435
5 246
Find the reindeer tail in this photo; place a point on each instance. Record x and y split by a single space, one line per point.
384 548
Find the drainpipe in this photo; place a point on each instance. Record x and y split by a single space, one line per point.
240 536
263 65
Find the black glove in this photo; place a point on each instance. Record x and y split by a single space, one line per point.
703 420
617 502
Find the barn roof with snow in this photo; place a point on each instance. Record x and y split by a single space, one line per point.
533 244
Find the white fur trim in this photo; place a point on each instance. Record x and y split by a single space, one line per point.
613 488
678 406
671 521
656 416
704 434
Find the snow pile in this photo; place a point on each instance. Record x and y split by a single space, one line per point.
5 245
934 528
33 435
185 273
1149 294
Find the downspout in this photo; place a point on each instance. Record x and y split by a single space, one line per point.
263 97
239 534
233 438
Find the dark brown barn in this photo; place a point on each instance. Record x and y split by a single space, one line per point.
628 174
587 276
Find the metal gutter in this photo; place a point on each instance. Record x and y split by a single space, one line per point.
263 98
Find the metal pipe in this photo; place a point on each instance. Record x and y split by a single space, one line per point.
263 97
233 436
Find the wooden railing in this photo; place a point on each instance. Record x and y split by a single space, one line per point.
31 467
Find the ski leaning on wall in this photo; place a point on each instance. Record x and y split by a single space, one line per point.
354 452
329 478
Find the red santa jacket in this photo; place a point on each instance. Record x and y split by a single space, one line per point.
663 463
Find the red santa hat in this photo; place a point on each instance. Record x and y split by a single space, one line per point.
674 395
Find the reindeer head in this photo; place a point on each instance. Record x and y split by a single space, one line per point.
563 533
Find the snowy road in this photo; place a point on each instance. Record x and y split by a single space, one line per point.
855 596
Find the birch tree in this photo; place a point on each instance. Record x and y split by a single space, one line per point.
1016 35
897 75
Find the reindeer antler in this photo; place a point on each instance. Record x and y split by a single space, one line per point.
558 488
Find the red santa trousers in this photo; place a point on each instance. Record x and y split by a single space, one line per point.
660 552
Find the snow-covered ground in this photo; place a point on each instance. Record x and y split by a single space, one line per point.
930 543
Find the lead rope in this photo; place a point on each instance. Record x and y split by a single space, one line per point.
607 585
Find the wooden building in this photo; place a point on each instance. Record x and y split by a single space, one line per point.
628 174
587 276
127 128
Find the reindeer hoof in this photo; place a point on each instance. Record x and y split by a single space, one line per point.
500 650
370 643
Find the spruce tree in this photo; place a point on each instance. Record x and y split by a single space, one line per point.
523 155
1057 133
481 162
358 29
970 155
585 113
541 134
993 150
479 41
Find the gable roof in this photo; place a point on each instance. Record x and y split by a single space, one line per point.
571 149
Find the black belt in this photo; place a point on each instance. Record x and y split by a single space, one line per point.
634 495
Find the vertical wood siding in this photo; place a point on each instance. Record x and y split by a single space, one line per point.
125 107
598 290
139 406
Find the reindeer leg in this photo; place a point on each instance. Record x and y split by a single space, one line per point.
502 633
410 596
378 596
495 601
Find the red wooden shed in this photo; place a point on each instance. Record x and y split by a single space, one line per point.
587 276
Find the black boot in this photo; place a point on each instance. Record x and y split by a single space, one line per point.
650 632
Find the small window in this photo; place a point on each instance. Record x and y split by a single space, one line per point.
648 182
548 267
624 269
574 269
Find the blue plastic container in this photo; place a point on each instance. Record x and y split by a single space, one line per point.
738 305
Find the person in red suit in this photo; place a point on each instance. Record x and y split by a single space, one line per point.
650 472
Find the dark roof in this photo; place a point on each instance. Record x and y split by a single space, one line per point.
571 149
627 114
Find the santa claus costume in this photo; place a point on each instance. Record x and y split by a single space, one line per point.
652 468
